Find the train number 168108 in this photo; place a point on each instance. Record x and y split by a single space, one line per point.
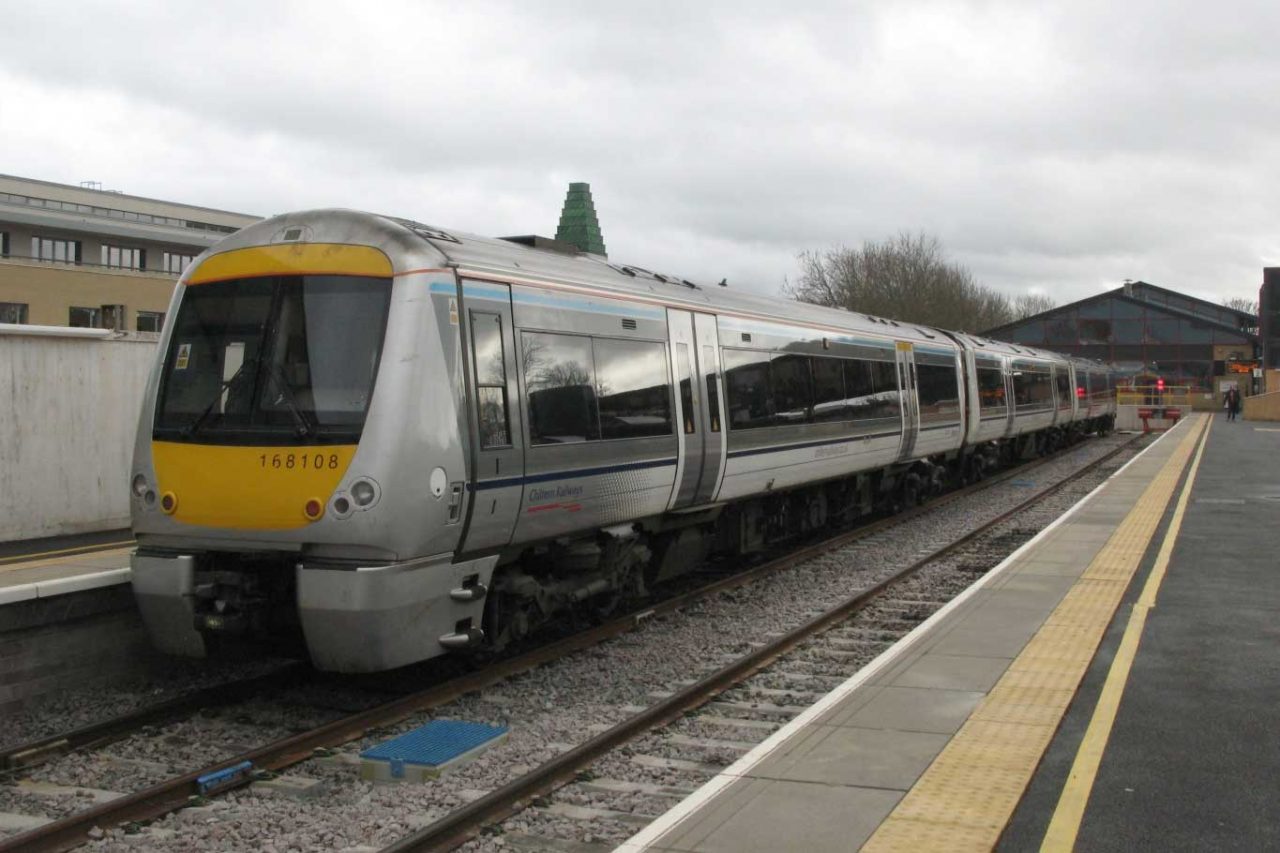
299 461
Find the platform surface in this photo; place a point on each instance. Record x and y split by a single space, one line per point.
1193 759
933 746
64 564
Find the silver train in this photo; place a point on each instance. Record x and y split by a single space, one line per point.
395 441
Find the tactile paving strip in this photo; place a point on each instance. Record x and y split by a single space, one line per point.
965 798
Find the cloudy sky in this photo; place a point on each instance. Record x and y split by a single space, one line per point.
1051 147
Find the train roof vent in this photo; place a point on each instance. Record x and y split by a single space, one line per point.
533 241
925 332
624 270
425 230
628 323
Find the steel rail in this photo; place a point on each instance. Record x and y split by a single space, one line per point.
33 752
164 797
465 823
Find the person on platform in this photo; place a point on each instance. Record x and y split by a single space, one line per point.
1232 403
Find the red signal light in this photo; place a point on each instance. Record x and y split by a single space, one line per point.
1159 384
1080 391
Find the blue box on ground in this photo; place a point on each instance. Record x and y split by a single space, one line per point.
428 751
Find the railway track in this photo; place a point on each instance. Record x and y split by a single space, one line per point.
232 773
841 635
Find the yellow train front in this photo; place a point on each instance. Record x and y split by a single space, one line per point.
298 469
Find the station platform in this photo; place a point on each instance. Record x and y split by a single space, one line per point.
1114 684
57 566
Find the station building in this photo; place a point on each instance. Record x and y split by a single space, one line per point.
82 256
1151 333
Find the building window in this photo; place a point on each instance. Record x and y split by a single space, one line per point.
13 312
177 264
113 317
150 321
4 244
85 318
123 258
52 249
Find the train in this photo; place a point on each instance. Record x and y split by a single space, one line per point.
396 442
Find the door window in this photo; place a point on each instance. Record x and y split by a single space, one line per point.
491 380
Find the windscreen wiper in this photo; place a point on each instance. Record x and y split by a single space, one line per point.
305 425
191 428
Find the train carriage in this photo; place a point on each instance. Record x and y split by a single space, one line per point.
398 441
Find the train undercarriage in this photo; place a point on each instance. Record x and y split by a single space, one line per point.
598 575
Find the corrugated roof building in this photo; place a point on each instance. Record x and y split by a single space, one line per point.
1148 333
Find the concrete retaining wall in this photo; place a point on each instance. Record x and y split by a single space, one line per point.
1264 407
71 399
82 638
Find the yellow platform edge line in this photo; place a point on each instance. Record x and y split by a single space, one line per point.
1064 826
79 551
69 559
970 790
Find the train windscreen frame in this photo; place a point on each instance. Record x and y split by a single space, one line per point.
273 360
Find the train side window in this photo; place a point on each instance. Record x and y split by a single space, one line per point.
888 397
991 397
830 402
633 386
1032 387
685 370
491 380
560 382
937 392
713 391
746 382
860 390
792 388
1063 383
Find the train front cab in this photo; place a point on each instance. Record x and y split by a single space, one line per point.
305 394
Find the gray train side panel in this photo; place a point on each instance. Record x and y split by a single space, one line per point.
580 486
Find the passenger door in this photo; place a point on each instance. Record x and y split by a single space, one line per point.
695 363
910 403
497 443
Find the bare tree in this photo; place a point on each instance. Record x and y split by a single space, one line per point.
1241 303
906 277
1030 304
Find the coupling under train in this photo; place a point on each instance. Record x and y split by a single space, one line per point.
396 441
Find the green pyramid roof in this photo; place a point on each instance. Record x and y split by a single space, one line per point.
578 222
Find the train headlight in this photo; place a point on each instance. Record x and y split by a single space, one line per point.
364 492
140 485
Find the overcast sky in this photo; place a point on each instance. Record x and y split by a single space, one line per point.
1057 148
